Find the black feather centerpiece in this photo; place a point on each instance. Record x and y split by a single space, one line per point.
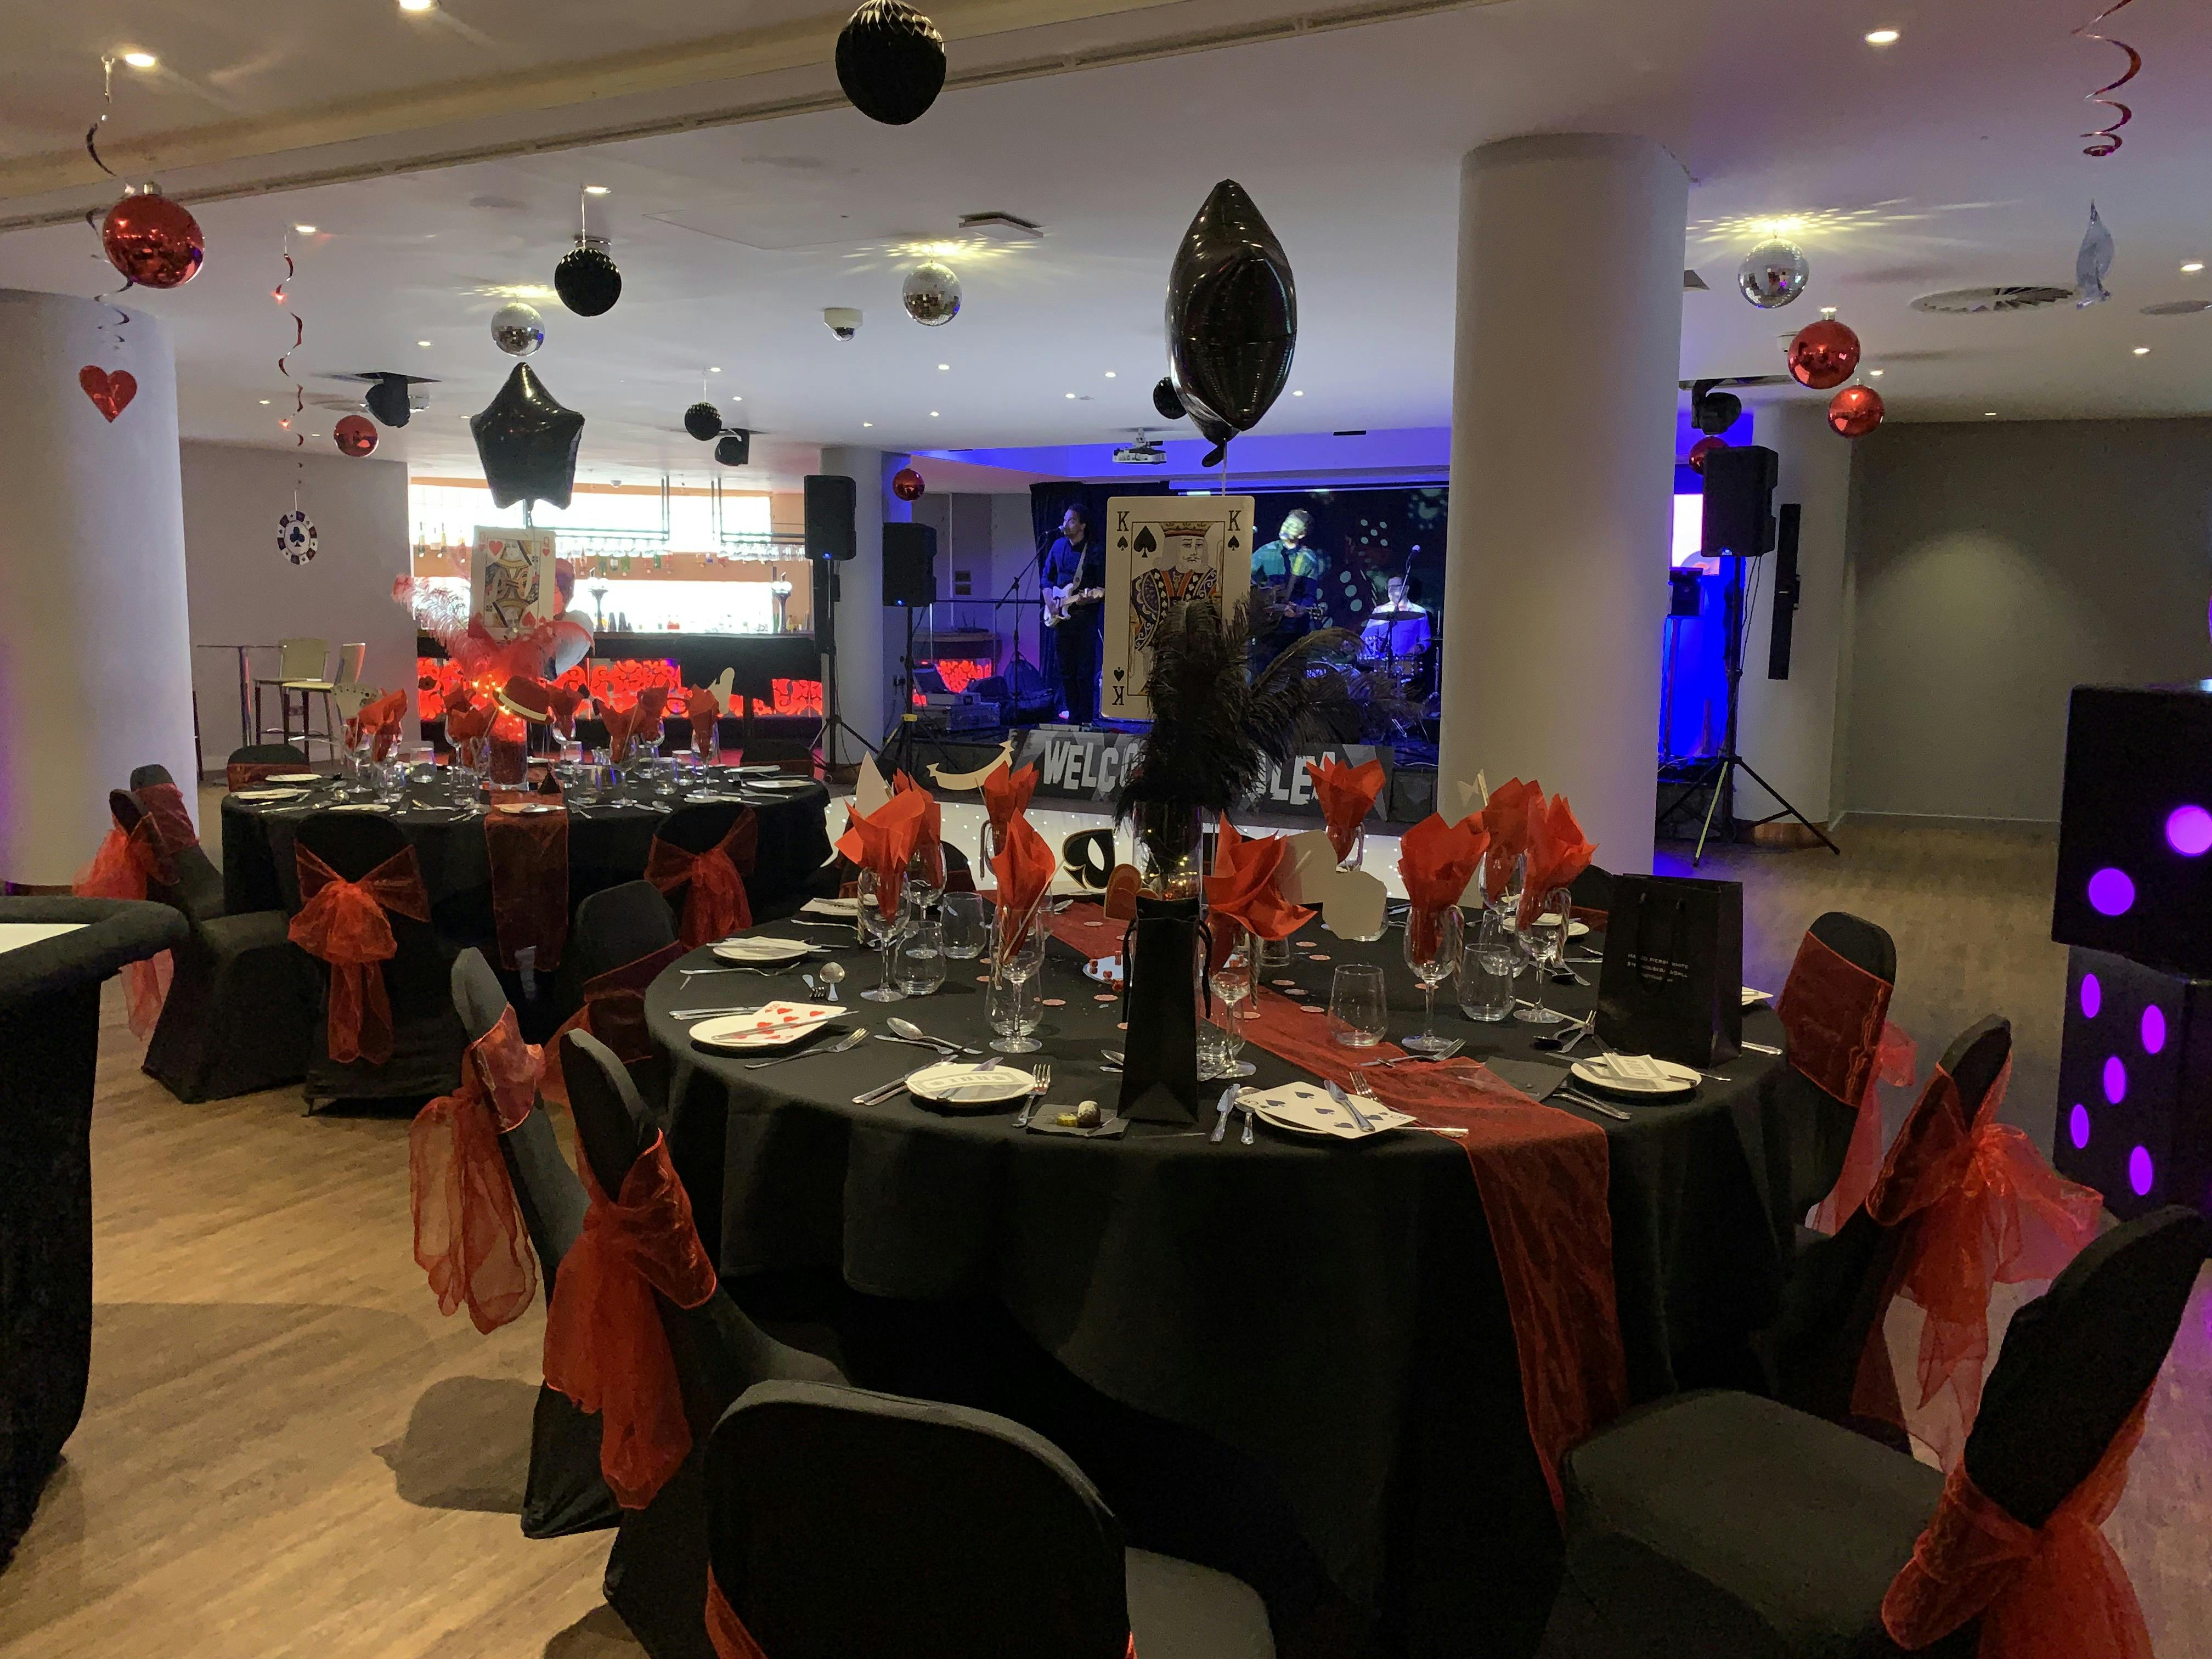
1215 727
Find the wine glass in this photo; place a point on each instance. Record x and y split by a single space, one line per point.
1432 947
963 918
1356 1013
1492 960
882 931
924 872
1543 936
1020 958
1232 981
1510 885
1010 1007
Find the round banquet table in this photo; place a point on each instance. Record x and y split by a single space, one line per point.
1331 1312
608 841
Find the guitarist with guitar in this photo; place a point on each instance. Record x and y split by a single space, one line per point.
1074 585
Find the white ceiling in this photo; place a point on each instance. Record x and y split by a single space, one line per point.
1946 161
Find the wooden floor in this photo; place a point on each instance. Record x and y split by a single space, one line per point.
287 1451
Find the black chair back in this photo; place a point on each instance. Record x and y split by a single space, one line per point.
616 926
976 1538
269 754
1858 941
612 1126
1976 1058
2077 1359
416 978
1593 890
142 777
697 828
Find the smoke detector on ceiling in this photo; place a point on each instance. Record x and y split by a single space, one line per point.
999 227
1972 302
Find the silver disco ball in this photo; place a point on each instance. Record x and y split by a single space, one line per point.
517 329
932 294
1773 274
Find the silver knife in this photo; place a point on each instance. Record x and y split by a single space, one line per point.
1337 1094
1228 1105
1596 1105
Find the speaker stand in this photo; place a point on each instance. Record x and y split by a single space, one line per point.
833 719
903 741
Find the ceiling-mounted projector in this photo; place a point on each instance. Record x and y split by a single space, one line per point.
1146 452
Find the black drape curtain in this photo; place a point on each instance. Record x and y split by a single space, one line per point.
1048 504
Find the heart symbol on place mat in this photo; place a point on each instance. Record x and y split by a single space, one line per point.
111 394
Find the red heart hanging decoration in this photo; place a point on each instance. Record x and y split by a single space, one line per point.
111 394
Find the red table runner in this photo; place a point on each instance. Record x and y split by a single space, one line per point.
1082 927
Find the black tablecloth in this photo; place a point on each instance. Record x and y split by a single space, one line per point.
607 844
1332 1311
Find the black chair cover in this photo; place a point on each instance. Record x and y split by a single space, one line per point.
1813 1156
50 1032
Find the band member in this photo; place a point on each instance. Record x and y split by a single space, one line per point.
1294 570
1074 601
1397 630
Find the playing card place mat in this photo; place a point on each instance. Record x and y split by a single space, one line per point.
1306 1109
772 1026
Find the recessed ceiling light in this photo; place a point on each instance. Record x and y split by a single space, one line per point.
714 371
140 60
943 367
2143 351
1071 394
1988 414
1298 394
264 402
416 5
868 423
2192 267
1877 373
735 398
1881 37
1109 373
425 344
595 190
932 414
305 230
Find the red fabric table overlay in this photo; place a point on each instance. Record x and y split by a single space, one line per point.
243 775
728 1635
469 1237
614 1012
1543 1176
605 1344
1083 926
122 867
529 857
344 924
1838 1037
715 905
2055 1592
1983 1208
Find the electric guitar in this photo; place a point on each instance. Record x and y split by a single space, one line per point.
1059 601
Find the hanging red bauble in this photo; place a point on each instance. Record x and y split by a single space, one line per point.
152 241
1824 354
906 484
355 435
1702 448
1856 410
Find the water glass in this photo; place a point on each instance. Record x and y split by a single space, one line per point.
918 960
962 918
1543 937
1487 970
1432 950
1358 1016
1012 1008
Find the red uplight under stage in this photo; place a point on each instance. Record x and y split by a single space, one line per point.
435 679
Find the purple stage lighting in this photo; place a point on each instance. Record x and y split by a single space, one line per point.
2077 1125
2093 996
2110 892
2116 1080
2189 831
2140 1172
2154 1030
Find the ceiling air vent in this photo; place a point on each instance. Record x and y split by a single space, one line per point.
1967 302
2177 308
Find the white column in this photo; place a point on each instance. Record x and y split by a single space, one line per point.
1563 433
1787 728
95 663
863 688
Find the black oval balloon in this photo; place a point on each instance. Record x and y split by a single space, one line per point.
703 422
587 280
1165 401
1232 311
527 442
387 400
891 62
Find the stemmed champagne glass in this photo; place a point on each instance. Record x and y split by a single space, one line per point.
1231 980
883 932
1018 960
1432 947
1506 902
1544 936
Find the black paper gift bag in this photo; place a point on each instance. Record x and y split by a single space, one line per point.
1673 981
1159 1077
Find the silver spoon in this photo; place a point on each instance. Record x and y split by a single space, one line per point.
859 1034
832 972
914 1033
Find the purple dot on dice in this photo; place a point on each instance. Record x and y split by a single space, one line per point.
2154 1029
2093 996
2140 1172
2077 1125
2116 1080
2189 831
2110 892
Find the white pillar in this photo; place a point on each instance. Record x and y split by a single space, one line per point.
1563 436
863 688
96 660
1787 728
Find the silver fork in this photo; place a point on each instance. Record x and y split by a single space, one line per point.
1041 1074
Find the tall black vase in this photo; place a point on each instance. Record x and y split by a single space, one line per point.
1159 1077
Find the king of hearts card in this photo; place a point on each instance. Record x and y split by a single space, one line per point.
1163 551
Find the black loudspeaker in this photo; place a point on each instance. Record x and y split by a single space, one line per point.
1787 590
831 503
825 598
1682 594
1740 501
909 564
736 448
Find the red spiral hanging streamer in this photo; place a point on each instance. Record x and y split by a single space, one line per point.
2105 139
92 215
292 422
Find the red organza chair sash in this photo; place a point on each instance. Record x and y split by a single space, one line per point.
124 865
344 923
614 1012
715 905
728 1635
528 856
469 1236
2057 1592
169 823
243 775
605 1344
1837 1035
1981 1207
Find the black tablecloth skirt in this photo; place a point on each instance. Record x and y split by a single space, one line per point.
1328 1316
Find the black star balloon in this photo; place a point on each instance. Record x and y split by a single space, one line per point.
890 61
527 442
703 422
587 280
1232 313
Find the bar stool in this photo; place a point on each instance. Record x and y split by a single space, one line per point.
300 672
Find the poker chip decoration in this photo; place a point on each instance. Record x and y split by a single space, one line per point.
295 537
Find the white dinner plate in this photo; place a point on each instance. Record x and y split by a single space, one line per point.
960 1083
1305 1109
295 777
266 795
778 1026
362 806
780 786
529 808
760 950
762 769
1672 1083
